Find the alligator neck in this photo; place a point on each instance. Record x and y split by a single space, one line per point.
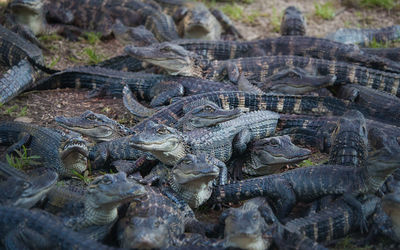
374 177
195 194
172 157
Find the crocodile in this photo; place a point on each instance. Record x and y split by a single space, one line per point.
178 61
293 22
21 190
21 228
364 37
268 155
308 184
287 45
157 220
169 145
349 140
71 18
378 104
57 151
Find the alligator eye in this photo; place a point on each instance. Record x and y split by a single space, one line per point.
274 142
26 185
187 161
162 130
209 109
166 49
106 180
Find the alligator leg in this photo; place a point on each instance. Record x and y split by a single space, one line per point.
25 238
226 23
245 85
228 69
241 140
165 91
357 206
24 141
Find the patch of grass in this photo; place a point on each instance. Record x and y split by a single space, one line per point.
325 11
11 109
54 62
378 45
275 20
93 56
92 37
85 178
22 159
234 11
23 111
346 243
49 38
306 163
386 4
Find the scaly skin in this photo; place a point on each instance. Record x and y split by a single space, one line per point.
56 150
20 190
155 221
363 37
287 45
178 61
293 22
378 104
23 228
96 126
103 197
170 146
307 184
349 141
268 155
389 53
97 16
391 205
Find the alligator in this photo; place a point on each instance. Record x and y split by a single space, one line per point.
122 63
157 220
364 37
266 156
349 141
96 126
169 145
21 228
389 53
157 88
192 178
390 205
380 105
308 184
21 190
288 45
71 18
57 151
15 80
178 61
139 36
331 223
293 22
312 105
254 226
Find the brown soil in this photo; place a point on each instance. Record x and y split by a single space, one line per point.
40 107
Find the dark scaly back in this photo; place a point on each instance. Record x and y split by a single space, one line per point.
349 140
14 48
293 22
251 102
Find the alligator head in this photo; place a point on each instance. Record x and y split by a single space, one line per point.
173 58
96 126
193 177
270 154
391 206
199 23
164 142
145 233
206 115
74 153
293 22
24 191
295 82
245 227
29 12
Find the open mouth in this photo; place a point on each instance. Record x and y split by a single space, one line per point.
196 31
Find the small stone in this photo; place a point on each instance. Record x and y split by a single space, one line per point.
23 119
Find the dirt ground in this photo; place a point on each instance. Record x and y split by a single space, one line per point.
40 107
